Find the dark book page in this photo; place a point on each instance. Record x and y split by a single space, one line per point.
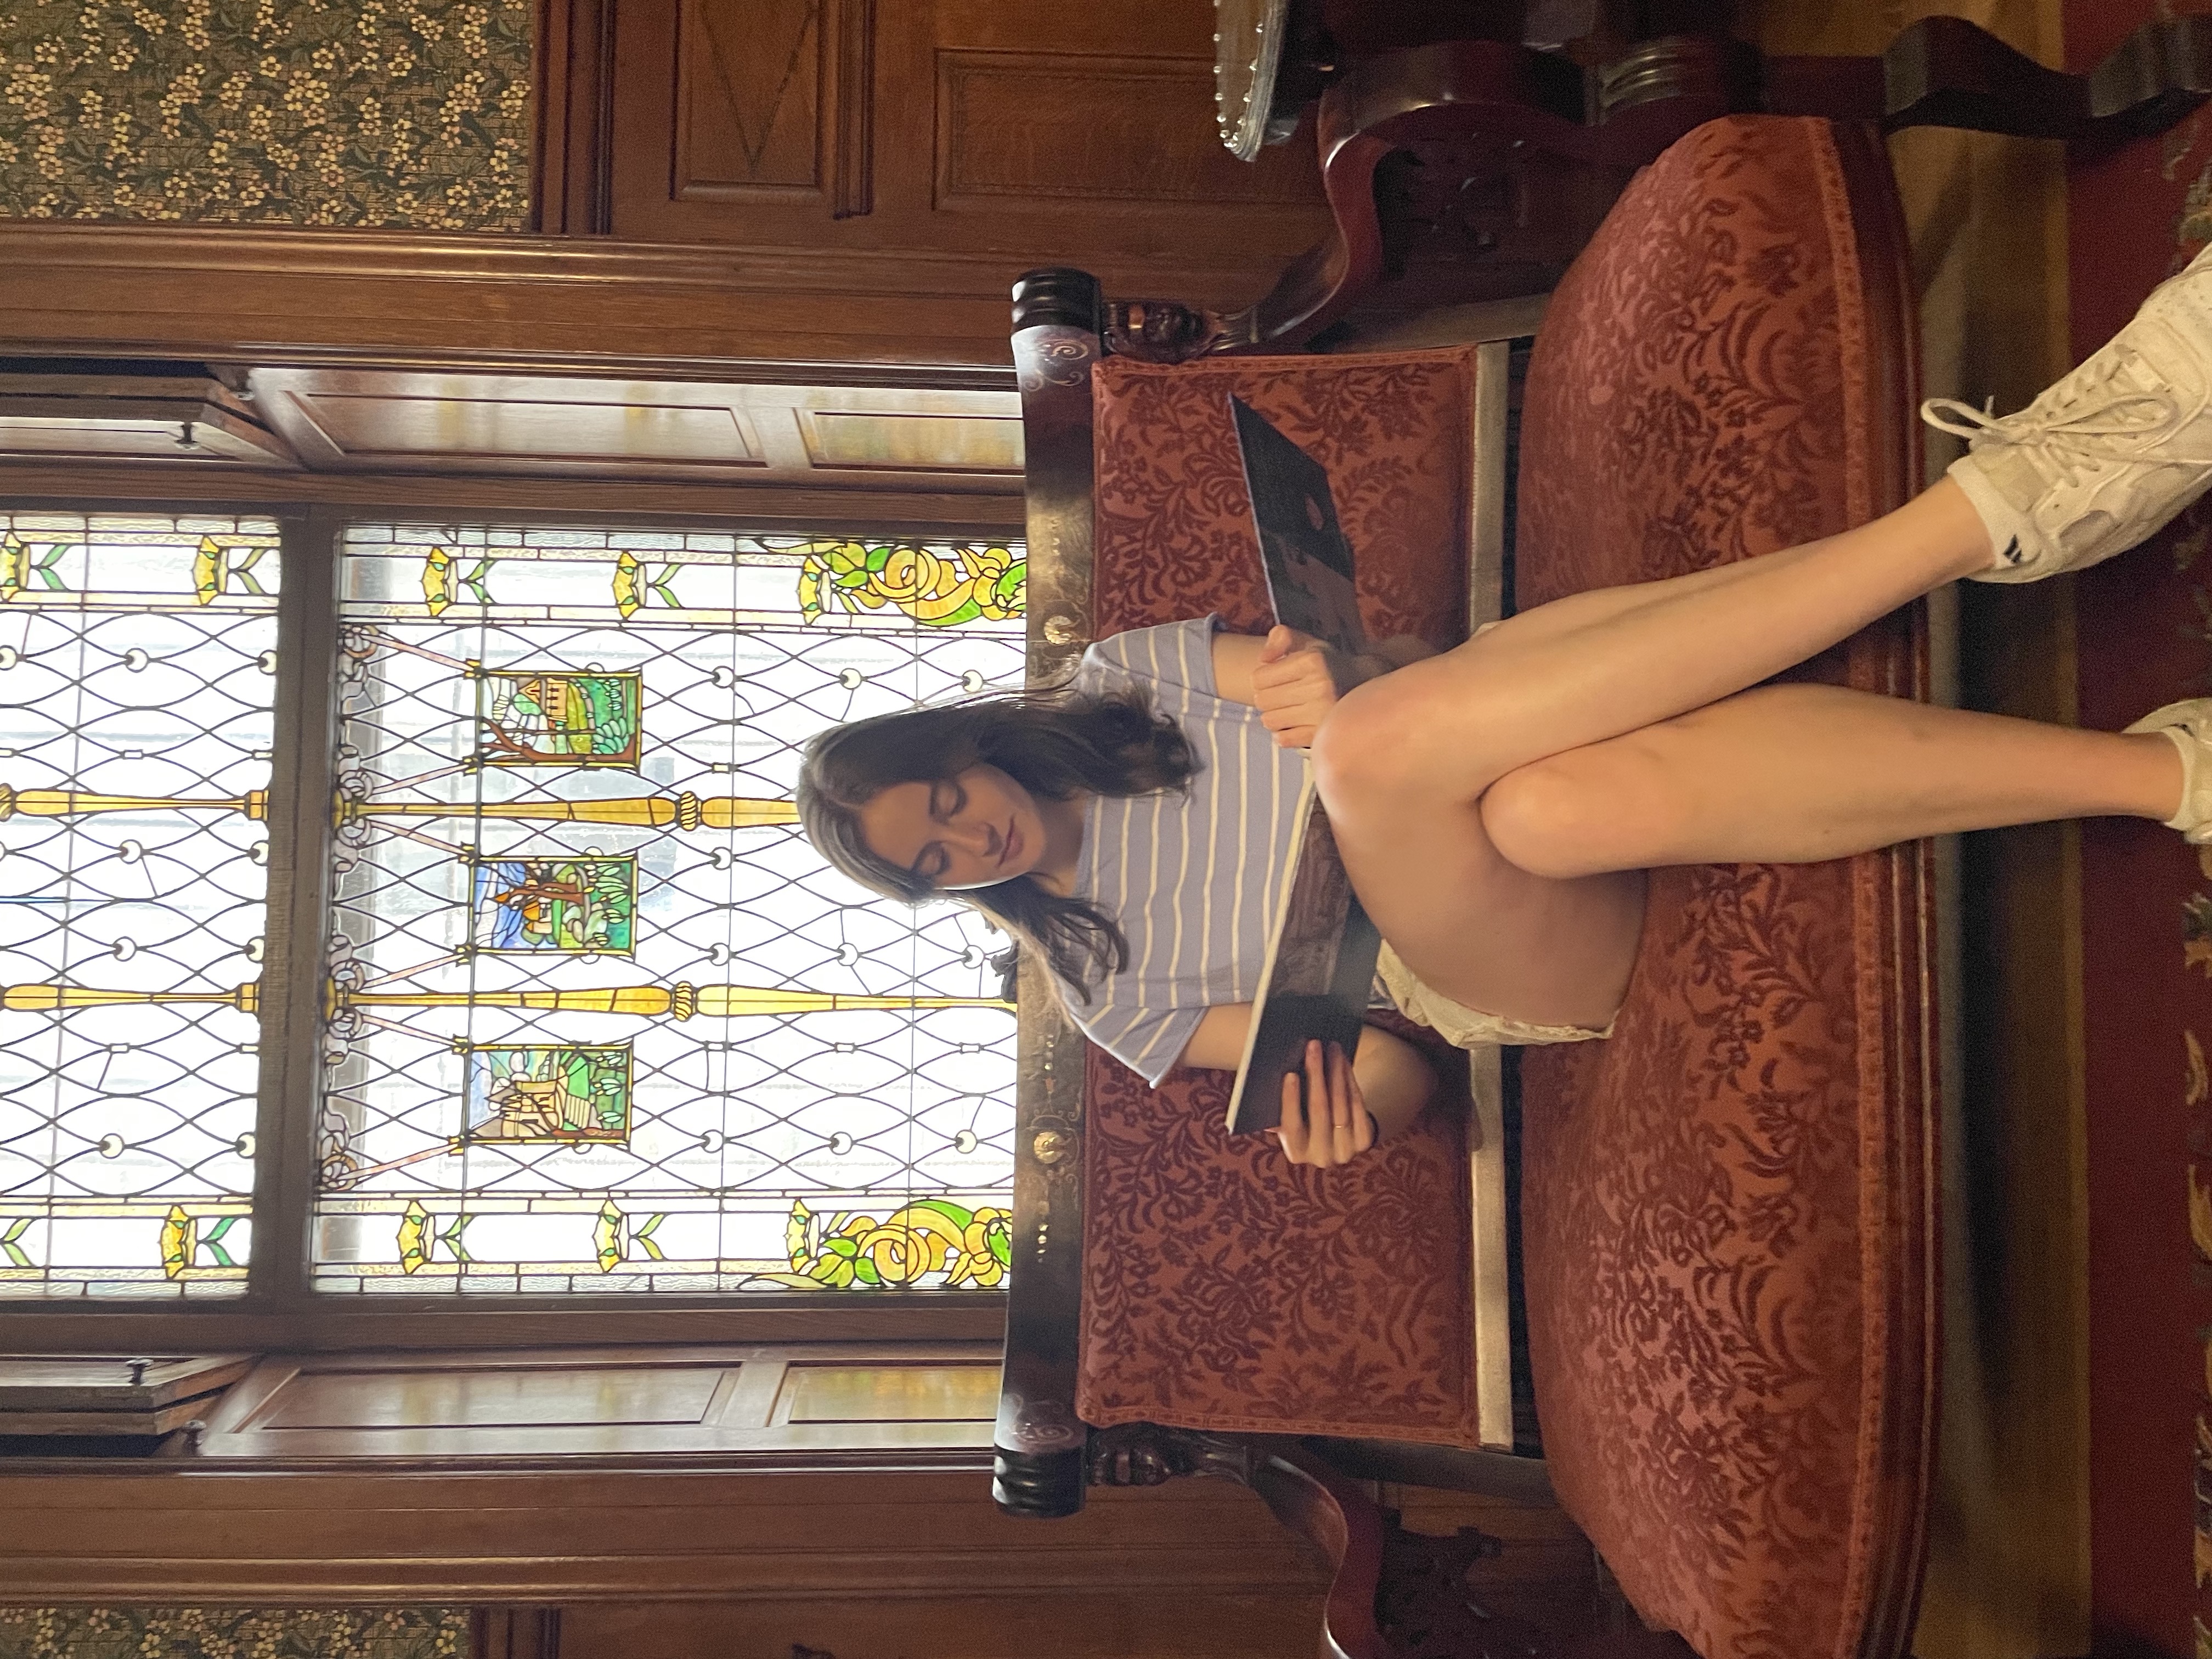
1319 975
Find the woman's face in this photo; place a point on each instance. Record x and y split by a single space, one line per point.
976 829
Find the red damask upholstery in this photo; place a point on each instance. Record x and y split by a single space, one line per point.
1223 1289
1723 1208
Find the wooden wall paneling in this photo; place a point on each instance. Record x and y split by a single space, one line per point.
950 127
232 292
753 94
221 292
857 440
853 164
1059 130
1095 1621
430 1323
886 437
814 1391
343 420
609 1402
569 188
819 506
780 1531
514 1633
774 102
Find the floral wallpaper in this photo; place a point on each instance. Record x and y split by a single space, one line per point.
393 112
219 1633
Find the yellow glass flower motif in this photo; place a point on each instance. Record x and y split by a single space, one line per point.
931 1236
438 580
939 587
607 1236
414 1237
178 1242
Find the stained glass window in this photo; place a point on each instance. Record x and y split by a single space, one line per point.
137 658
599 1017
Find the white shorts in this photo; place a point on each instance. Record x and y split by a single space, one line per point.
1465 1027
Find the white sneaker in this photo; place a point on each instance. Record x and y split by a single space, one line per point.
2189 724
2106 456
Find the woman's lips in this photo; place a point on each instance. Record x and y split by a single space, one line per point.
1010 844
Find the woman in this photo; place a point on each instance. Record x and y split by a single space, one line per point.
1498 804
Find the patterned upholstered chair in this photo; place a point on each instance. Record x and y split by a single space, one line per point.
1725 1210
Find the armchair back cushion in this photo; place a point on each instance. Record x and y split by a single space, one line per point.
1223 1289
1724 1207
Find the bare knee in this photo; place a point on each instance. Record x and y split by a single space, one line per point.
1387 748
1366 753
1583 813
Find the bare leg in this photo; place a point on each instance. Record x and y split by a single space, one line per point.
1594 665
1404 761
1795 774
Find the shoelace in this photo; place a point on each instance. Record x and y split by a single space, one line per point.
2090 430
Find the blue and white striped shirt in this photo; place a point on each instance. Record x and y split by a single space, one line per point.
1190 879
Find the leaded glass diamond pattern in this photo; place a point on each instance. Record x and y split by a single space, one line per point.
601 1018
137 658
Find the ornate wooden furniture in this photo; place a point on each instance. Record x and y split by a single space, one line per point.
1472 169
1726 1210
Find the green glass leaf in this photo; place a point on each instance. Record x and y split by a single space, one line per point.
211 1241
957 1214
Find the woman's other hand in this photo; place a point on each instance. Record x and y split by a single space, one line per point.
1296 681
1325 1120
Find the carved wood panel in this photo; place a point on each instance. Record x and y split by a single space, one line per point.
995 132
1068 127
860 437
774 100
606 1401
750 96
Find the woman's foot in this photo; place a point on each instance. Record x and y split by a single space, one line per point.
2189 725
2106 456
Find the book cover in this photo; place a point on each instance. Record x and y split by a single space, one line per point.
1320 967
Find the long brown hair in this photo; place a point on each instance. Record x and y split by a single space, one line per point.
1055 743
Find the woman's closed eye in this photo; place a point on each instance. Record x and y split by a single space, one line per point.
947 800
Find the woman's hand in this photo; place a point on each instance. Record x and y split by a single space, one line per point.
1325 1118
1296 681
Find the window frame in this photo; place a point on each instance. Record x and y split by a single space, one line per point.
280 1309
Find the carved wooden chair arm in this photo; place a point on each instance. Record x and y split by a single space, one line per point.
1039 1441
1490 96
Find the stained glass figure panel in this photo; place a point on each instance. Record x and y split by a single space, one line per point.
600 1018
137 663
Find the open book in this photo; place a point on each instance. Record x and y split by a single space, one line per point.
1320 967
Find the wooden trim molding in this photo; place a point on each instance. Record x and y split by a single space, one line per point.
514 1633
852 119
385 1532
95 487
313 1324
571 190
258 295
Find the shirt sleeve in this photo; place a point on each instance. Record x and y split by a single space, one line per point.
1179 653
1148 1040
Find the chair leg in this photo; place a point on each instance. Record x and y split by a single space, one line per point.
1395 1594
